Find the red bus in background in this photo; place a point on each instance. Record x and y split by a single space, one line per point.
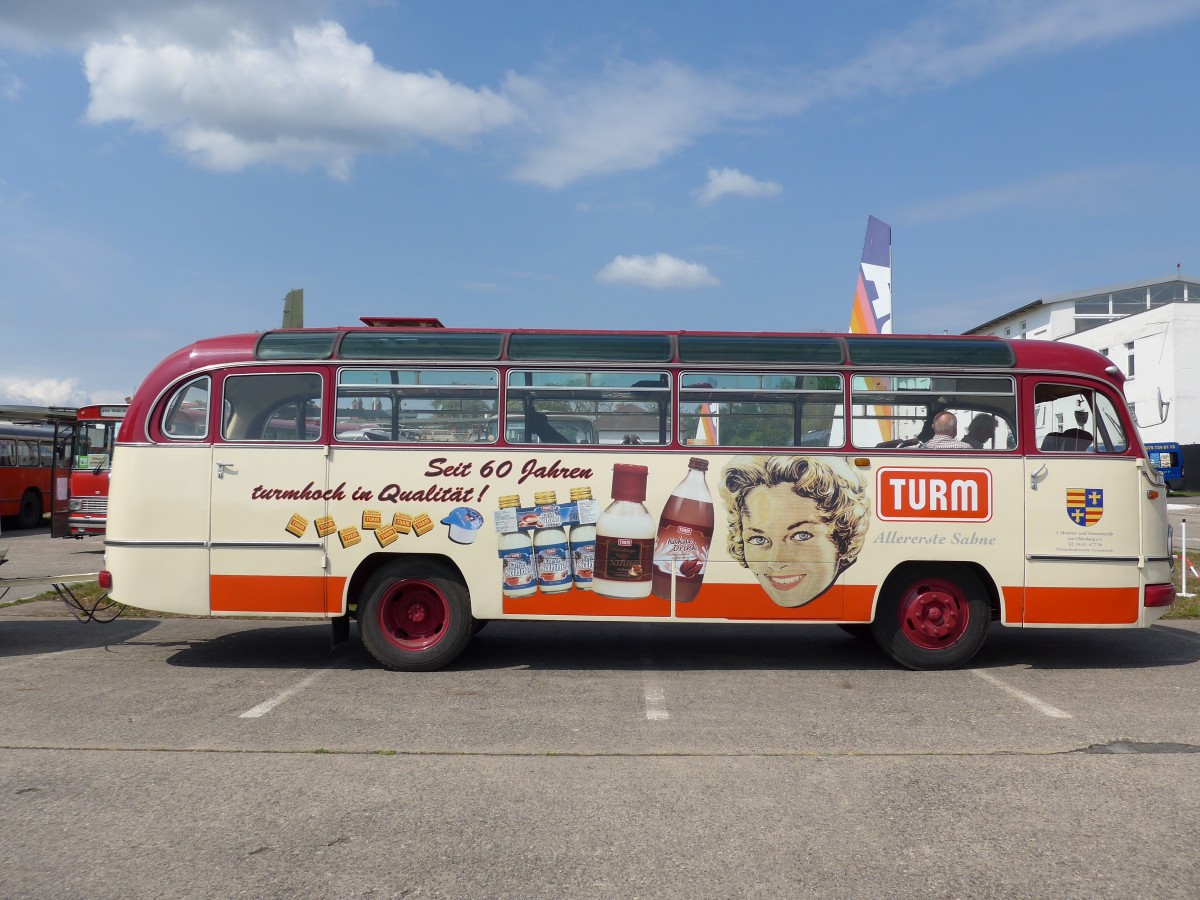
81 493
26 466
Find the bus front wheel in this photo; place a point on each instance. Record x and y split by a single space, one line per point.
932 617
30 513
416 618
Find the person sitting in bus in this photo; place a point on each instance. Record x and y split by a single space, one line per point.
537 425
981 431
945 427
796 522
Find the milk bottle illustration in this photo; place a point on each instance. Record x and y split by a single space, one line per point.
684 533
519 577
583 542
550 546
625 538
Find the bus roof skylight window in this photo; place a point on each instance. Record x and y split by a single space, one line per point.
296 345
745 348
933 353
425 344
591 347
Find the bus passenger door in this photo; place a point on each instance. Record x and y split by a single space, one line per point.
267 495
266 555
1082 537
60 481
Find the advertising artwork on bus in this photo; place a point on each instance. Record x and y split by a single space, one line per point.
425 481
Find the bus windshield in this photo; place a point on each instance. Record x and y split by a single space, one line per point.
93 446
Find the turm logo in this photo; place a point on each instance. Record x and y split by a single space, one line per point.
1085 506
933 495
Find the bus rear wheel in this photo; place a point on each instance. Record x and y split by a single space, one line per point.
416 618
932 617
30 513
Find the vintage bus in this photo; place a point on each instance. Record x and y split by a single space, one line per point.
83 511
775 478
26 471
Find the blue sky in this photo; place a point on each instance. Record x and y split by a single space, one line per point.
169 169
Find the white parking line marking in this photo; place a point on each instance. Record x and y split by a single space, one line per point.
267 705
1040 705
654 698
656 702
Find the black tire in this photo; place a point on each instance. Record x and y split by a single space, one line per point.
30 513
932 617
416 617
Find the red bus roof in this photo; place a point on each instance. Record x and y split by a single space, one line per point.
418 341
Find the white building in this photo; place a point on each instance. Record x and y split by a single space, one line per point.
1149 329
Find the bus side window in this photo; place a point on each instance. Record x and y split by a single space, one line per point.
186 415
8 455
898 410
273 407
753 409
577 407
1073 419
417 405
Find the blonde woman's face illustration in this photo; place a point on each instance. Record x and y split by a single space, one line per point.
788 548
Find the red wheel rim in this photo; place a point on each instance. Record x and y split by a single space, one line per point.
934 613
413 615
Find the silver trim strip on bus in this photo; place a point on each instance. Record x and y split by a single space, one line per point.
108 542
1033 557
267 545
220 545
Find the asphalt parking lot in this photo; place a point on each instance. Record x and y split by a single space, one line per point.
206 757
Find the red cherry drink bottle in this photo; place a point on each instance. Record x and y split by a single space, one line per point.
685 531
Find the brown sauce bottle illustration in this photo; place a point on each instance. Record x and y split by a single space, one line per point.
685 531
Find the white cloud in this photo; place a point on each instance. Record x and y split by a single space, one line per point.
45 392
731 182
634 116
658 271
631 117
313 98
1073 189
38 25
233 83
965 40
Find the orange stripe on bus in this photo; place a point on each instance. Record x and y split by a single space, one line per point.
738 602
277 594
1014 604
859 598
750 601
1081 606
